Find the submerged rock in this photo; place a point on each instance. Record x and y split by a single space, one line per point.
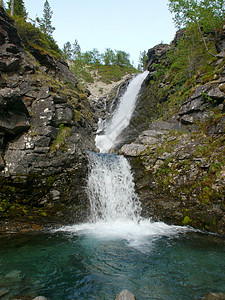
214 296
3 292
125 295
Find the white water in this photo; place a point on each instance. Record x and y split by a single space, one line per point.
111 189
115 207
121 117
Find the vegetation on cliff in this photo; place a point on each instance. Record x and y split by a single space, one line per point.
179 159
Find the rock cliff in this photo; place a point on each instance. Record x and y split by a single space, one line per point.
177 152
46 127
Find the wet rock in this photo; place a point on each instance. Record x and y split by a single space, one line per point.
40 298
125 295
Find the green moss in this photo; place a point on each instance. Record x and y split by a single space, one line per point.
33 38
187 220
60 142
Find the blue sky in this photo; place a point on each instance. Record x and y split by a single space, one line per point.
127 25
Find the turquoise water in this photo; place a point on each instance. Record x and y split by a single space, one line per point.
82 265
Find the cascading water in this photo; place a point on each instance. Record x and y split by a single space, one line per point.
111 189
110 182
121 117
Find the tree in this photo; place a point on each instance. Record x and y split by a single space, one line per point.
17 8
109 57
207 15
67 51
122 58
76 49
142 66
45 23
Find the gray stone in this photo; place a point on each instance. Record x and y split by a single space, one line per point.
200 90
10 98
42 141
2 81
64 114
41 150
125 295
216 94
44 93
187 119
48 131
24 142
40 298
43 112
132 149
16 162
191 106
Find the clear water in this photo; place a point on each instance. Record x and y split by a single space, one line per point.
80 264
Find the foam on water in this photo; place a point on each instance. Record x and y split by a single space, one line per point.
136 234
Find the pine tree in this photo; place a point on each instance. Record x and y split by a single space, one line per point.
45 23
17 8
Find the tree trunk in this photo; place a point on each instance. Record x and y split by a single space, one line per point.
12 8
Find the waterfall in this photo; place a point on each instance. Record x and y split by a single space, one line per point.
111 189
121 117
110 184
115 207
